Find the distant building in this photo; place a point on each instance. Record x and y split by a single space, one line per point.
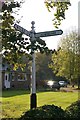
15 79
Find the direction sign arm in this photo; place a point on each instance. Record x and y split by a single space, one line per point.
21 29
48 33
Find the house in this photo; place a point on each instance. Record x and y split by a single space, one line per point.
19 79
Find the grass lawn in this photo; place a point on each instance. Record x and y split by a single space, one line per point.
14 103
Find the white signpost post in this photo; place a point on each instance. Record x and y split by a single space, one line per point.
33 35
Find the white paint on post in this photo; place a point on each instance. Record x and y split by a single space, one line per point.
33 81
33 89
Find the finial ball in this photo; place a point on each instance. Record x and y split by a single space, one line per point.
32 22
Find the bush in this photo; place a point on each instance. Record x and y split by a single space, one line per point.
46 112
74 110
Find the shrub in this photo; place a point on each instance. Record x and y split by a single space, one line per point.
46 112
74 110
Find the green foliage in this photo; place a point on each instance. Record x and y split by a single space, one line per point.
45 112
59 64
11 50
40 46
9 6
14 47
43 72
66 61
12 44
58 9
74 110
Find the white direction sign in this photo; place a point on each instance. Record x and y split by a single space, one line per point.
21 29
39 34
48 33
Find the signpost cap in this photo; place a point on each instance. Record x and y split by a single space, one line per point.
32 22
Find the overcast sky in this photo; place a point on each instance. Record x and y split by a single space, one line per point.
35 10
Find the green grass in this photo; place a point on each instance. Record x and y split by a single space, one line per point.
14 103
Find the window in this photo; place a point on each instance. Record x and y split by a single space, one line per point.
13 76
22 77
6 77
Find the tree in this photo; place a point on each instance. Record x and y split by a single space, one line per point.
58 7
71 44
43 72
67 60
10 43
13 46
42 68
59 64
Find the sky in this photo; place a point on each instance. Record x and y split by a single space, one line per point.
35 10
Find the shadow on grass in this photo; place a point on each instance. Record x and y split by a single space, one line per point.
11 93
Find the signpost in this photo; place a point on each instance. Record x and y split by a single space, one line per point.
33 35
39 34
22 30
49 33
33 81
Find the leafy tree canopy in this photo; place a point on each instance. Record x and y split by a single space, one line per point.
58 7
66 61
43 72
13 45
